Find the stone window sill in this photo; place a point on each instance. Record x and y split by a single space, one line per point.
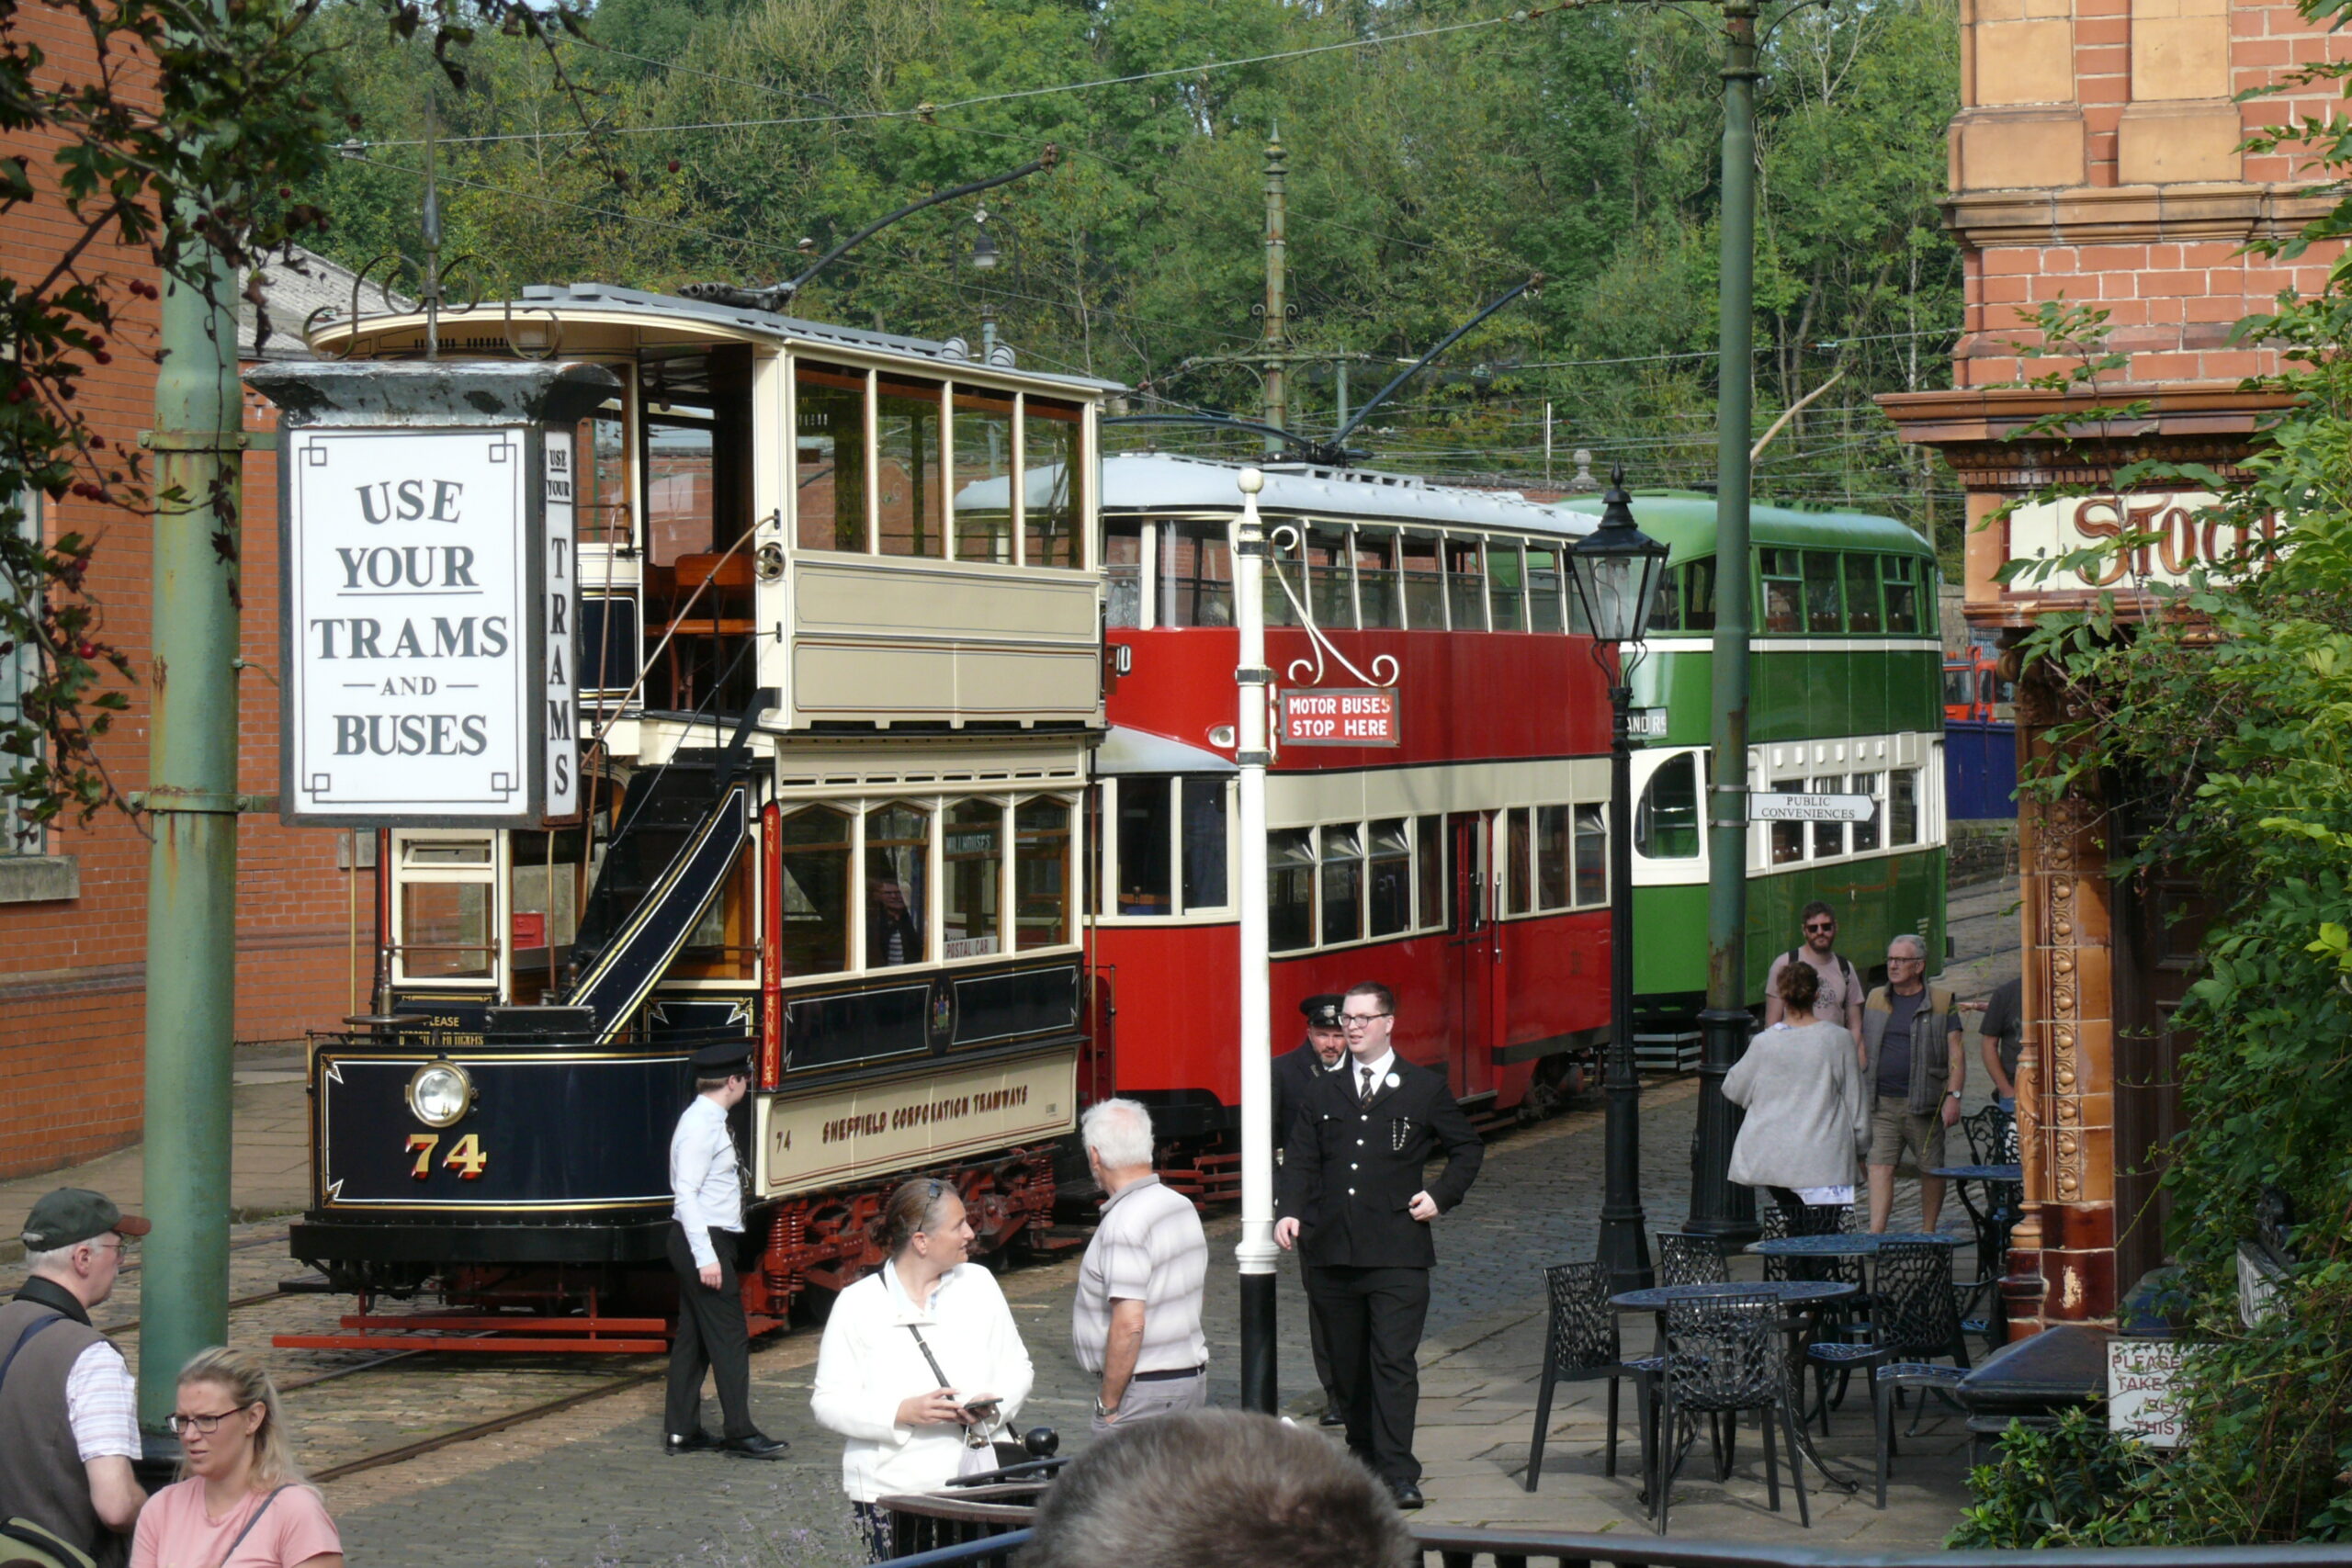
39 879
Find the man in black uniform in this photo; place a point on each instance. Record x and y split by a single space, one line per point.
1295 1073
1353 1199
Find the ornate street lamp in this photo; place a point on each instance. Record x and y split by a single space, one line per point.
1616 569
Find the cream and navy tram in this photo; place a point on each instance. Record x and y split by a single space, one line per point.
840 642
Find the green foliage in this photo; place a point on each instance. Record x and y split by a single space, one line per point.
2074 1484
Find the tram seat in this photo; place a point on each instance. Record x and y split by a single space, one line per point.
701 630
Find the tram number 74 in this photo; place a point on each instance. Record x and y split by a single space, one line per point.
467 1159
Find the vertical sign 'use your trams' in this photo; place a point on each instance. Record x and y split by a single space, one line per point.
429 589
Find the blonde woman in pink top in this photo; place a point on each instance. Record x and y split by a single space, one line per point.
238 1503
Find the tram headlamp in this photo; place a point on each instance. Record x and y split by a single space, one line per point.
440 1093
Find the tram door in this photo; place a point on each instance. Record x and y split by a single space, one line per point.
1472 947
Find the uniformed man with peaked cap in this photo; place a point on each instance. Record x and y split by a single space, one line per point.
1295 1075
706 1227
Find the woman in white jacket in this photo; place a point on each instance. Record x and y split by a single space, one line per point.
1808 1108
920 1360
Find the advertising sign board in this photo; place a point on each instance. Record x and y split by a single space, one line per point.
1362 715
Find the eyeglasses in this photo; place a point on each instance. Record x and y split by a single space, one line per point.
1904 958
181 1424
1361 1019
1821 926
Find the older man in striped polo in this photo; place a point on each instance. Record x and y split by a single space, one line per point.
1137 1321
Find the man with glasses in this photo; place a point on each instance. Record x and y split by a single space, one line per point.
69 1411
1355 1203
1915 1058
1840 1000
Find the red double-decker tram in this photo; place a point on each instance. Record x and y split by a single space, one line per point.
1465 866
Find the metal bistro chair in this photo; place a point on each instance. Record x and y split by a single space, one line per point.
1991 1140
1688 1259
1919 1318
1723 1356
1581 1346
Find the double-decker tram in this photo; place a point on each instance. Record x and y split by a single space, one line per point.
1464 866
839 637
1844 698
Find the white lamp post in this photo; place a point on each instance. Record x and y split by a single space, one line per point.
1256 1252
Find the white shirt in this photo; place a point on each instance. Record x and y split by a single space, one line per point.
1380 1070
102 1405
869 1363
702 1177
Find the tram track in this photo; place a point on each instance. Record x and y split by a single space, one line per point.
131 1326
423 1446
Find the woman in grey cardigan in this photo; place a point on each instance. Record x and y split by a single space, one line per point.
1808 1110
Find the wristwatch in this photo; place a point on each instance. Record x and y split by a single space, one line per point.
1101 1409
1953 1094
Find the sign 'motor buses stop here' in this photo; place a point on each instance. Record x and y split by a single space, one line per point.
1339 717
426 519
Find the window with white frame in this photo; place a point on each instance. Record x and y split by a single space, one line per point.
1171 848
445 893
18 668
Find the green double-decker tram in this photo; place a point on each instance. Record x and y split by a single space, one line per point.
1844 698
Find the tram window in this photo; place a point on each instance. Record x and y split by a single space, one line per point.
1053 483
1466 586
1147 882
1122 585
1823 610
680 458
1592 856
1865 833
1784 592
1041 876
600 504
1290 890
1428 845
1666 610
898 865
1903 806
431 851
815 891
971 920
1699 596
1390 877
723 945
1862 594
543 890
1788 837
1552 857
1283 564
1204 843
1543 588
1330 584
1424 583
906 432
1202 567
1517 878
1379 596
1900 576
445 931
981 490
1342 884
1506 586
828 478
608 643
1828 837
1666 820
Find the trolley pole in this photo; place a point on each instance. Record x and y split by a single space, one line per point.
1256 1253
1716 1206
191 800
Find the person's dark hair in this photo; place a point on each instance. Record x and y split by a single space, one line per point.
1377 992
1816 907
703 1085
1217 1489
912 1208
1799 984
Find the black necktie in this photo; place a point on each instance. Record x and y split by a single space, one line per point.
1365 1097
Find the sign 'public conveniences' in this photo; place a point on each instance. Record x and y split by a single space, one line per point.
429 590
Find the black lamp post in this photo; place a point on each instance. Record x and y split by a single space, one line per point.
1616 570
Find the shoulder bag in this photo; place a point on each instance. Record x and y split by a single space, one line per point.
979 1453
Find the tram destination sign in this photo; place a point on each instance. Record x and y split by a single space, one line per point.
1791 807
427 590
1365 715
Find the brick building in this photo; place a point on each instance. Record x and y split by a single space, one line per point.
72 902
2096 159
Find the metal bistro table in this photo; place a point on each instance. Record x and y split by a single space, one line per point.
1791 1293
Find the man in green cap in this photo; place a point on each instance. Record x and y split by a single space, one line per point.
69 1411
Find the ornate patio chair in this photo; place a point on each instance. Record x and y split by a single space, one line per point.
1581 1345
1723 1356
1919 1320
1691 1260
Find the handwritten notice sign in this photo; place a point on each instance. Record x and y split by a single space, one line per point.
1354 716
2142 1401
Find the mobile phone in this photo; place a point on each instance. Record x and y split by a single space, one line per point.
981 1409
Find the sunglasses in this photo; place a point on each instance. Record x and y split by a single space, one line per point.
1823 926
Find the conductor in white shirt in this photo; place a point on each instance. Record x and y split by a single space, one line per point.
707 1227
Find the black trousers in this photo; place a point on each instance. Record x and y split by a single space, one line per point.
1372 1321
1315 1338
712 1336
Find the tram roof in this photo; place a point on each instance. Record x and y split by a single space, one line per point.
1161 481
608 298
1684 521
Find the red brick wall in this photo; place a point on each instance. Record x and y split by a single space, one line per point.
71 1013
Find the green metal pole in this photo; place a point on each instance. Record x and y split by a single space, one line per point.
192 865
1276 353
1716 1206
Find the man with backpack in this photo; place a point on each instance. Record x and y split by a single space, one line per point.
1840 1000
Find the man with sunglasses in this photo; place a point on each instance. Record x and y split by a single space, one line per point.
1839 999
69 1412
1356 1204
